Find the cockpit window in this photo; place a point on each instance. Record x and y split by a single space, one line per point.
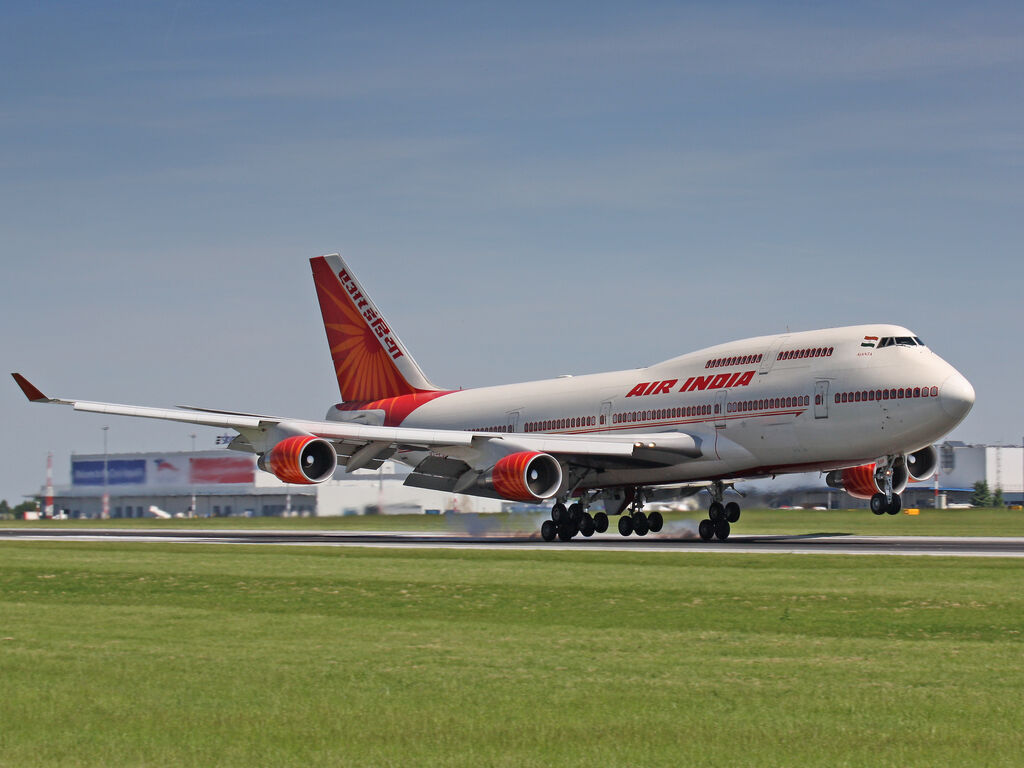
900 341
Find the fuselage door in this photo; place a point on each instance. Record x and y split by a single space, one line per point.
513 421
769 359
606 414
721 400
821 399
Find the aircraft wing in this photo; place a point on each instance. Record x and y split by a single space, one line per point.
361 446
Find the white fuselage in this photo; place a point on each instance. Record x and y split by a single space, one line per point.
815 400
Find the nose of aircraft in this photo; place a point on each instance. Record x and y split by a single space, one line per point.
956 396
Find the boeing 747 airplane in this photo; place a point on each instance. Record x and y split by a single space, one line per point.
861 403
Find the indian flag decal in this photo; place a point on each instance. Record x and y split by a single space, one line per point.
869 341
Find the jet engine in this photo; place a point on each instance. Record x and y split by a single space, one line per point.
921 464
526 476
865 481
302 460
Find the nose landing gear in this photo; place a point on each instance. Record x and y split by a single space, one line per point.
881 505
888 500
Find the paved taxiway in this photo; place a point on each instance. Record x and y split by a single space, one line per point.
815 543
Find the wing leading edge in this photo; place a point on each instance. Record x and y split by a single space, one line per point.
364 445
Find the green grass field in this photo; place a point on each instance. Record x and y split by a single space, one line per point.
930 522
199 655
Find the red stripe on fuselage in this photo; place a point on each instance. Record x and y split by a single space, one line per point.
396 409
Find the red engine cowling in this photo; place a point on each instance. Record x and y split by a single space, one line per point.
302 460
527 476
865 481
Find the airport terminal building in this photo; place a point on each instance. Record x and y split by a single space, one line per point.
223 484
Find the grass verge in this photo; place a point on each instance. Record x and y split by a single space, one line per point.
191 655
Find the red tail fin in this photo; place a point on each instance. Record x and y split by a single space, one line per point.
369 359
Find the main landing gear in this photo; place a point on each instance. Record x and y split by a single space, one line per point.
636 521
567 522
720 516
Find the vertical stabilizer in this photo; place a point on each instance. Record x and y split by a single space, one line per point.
370 361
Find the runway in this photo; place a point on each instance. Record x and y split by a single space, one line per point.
814 543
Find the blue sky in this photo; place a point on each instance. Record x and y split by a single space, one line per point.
527 190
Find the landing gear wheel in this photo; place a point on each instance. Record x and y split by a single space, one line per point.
557 512
732 511
706 529
895 505
548 530
716 511
640 524
566 531
722 530
655 521
600 522
575 513
879 504
587 526
625 525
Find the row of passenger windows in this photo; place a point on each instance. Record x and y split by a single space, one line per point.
871 395
741 360
632 417
800 354
706 409
770 403
573 423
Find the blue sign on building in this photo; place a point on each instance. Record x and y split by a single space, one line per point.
119 472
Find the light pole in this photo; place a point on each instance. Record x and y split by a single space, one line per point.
192 512
105 511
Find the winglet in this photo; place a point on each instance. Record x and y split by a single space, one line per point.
29 389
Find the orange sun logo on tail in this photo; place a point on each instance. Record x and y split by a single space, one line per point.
370 361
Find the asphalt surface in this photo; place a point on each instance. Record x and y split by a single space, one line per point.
815 543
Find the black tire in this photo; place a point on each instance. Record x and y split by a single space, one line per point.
896 505
600 522
575 513
566 531
587 526
655 521
879 504
640 524
706 529
722 529
557 512
732 512
716 512
625 525
548 530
